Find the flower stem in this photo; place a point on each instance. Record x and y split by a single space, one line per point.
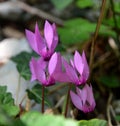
42 107
18 89
67 102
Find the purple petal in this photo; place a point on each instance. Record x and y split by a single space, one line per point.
37 70
40 41
55 63
76 100
86 72
70 72
49 81
90 97
78 62
32 69
61 77
31 40
42 62
82 94
72 63
55 38
48 33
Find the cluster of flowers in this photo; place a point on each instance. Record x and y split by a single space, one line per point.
51 67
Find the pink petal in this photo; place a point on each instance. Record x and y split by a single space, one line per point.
76 100
43 63
78 62
40 41
48 33
32 69
70 72
55 63
61 77
86 72
52 63
55 38
72 63
82 94
31 40
37 70
90 97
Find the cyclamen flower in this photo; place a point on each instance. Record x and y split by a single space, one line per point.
78 69
84 99
46 71
44 46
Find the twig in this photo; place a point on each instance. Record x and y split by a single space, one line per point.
114 115
96 33
60 101
56 88
28 104
108 109
24 97
38 12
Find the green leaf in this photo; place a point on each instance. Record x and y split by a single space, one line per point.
60 48
22 61
84 3
5 97
36 94
17 122
92 122
117 6
79 30
110 81
76 30
37 119
111 22
117 117
10 110
4 118
106 31
7 107
61 4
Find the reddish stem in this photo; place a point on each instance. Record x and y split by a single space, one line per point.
67 102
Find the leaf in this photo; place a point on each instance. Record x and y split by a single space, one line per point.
5 97
92 122
75 30
117 117
117 6
37 119
36 94
111 22
17 122
79 30
61 4
7 107
10 110
106 31
22 61
84 3
60 48
110 81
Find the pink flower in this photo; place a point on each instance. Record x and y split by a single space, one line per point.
84 99
47 72
44 46
78 70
